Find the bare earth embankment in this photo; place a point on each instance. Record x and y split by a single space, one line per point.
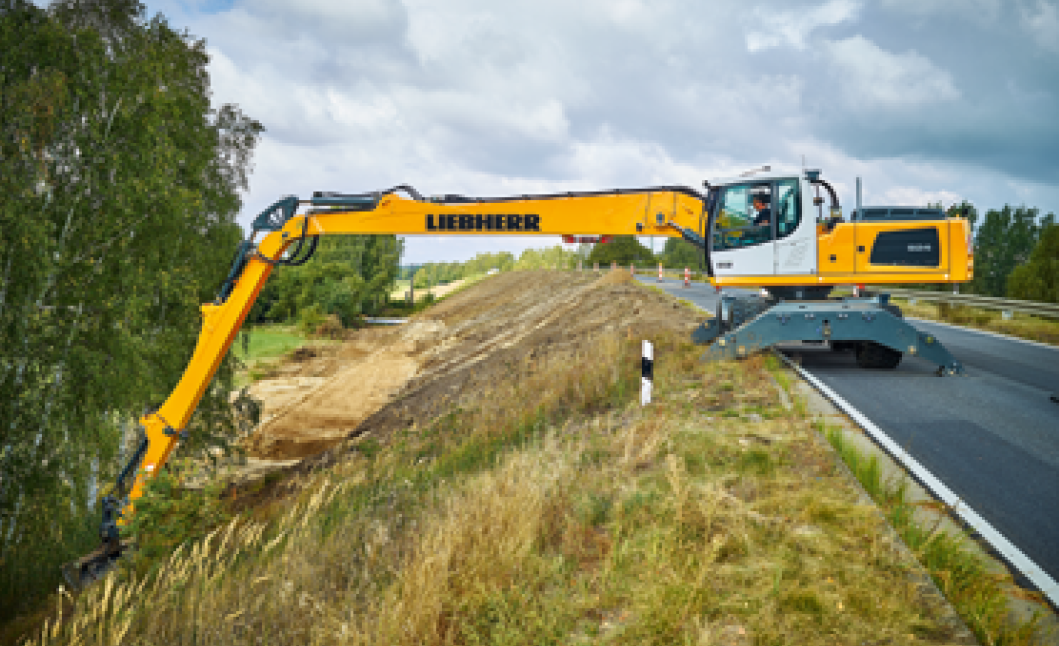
485 474
455 349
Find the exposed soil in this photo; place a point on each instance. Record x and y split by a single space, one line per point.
383 379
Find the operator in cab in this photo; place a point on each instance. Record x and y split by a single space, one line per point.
764 213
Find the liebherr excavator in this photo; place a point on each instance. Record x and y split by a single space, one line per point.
758 231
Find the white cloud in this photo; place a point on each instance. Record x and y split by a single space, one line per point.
915 196
792 28
872 76
487 98
1042 22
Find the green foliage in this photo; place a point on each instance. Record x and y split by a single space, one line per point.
348 277
267 342
438 273
679 253
169 514
964 210
483 262
624 250
120 188
1038 279
441 273
549 258
1003 242
310 318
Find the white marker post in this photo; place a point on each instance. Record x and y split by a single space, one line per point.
687 277
659 273
647 364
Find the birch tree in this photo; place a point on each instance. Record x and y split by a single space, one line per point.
121 187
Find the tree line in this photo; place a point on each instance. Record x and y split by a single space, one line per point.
120 191
1016 253
348 277
628 250
441 273
624 250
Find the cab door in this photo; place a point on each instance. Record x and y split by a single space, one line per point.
739 247
795 235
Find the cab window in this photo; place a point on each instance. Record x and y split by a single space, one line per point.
788 207
744 218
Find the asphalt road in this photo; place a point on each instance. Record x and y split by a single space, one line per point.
991 435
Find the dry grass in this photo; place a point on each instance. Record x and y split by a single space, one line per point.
1023 326
552 509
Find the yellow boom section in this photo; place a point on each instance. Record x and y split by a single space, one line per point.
643 212
610 213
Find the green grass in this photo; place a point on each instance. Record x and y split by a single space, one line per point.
960 572
268 342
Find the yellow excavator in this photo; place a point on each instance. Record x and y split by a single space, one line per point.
768 230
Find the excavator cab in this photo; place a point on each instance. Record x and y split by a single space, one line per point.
758 230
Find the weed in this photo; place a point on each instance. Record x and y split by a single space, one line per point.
959 572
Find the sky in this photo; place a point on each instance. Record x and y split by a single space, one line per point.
926 100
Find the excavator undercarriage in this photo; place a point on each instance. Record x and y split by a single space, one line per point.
870 326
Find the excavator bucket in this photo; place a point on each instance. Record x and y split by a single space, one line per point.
92 567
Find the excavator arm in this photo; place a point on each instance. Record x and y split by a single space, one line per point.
666 211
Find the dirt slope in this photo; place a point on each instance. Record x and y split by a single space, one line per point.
384 379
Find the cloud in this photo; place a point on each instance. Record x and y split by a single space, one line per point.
915 196
874 77
487 98
792 28
1042 22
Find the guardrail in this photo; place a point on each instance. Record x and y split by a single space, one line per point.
1007 305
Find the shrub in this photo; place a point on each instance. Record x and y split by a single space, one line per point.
331 328
310 318
169 514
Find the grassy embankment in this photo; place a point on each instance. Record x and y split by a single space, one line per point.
1023 326
715 515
